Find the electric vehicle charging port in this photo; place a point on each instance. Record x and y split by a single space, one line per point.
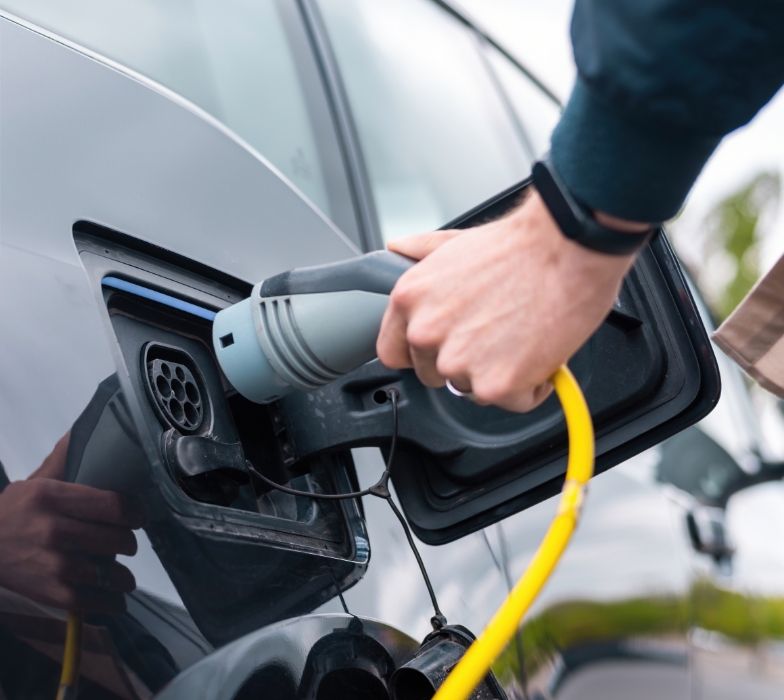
212 440
177 388
206 468
241 562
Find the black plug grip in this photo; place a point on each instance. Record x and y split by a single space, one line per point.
374 272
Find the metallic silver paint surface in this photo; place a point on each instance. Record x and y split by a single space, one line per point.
239 68
82 141
95 144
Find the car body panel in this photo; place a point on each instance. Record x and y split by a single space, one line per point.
84 141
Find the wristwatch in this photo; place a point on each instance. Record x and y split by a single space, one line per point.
576 221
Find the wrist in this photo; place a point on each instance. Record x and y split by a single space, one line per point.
533 219
581 225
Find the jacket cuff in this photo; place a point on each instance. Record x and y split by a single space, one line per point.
625 167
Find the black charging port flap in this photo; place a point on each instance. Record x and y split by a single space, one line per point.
647 373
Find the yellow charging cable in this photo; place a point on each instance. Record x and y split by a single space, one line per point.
473 667
72 656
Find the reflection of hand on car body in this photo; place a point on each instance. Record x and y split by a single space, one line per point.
58 540
498 308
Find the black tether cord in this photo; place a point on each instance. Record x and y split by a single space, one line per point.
381 490
438 620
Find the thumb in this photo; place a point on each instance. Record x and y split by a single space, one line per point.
421 245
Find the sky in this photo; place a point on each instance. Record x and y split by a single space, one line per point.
537 33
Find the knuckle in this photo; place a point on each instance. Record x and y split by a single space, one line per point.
37 493
61 568
526 403
107 507
389 358
493 390
392 351
50 534
422 336
450 365
107 502
487 395
430 379
541 393
403 295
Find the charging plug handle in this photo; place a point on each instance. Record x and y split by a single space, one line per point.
375 272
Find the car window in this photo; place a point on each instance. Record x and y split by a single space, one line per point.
246 62
537 113
436 135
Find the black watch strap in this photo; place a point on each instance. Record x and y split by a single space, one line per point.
576 221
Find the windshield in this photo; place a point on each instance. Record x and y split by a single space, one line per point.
247 63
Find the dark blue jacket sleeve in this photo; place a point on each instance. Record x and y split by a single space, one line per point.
660 82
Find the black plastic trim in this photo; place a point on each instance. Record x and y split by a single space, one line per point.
236 569
461 467
162 255
359 180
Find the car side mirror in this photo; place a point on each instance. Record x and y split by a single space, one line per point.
708 534
694 462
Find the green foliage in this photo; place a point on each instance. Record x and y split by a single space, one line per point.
744 619
747 620
571 624
723 611
734 233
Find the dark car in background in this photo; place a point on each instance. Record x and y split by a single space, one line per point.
195 148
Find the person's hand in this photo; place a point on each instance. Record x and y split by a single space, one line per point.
58 540
498 308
